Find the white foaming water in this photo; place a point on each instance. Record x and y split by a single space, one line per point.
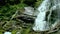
40 23
7 33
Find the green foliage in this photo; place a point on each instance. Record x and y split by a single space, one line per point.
26 31
38 3
14 31
8 10
1 31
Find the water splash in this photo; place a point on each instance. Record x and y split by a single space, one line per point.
7 33
47 5
40 23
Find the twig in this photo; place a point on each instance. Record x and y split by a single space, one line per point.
14 15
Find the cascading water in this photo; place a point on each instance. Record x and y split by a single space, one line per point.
40 23
56 9
47 5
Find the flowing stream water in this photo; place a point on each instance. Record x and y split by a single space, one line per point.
40 23
47 5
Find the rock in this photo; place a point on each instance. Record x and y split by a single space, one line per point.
29 10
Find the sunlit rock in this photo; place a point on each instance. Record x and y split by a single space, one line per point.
29 10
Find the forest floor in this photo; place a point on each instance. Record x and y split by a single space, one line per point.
16 25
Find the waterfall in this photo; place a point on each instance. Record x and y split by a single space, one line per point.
47 5
40 23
